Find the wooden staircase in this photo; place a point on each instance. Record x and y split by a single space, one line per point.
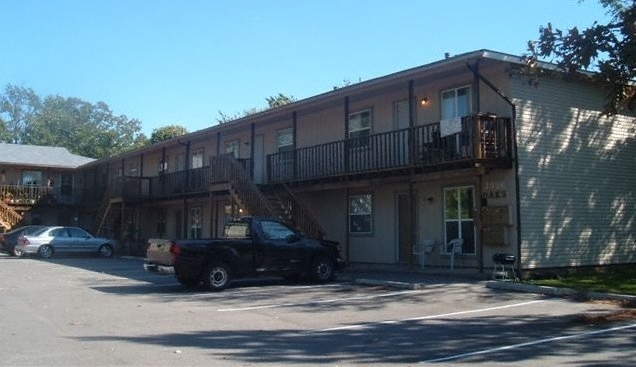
290 209
8 217
277 202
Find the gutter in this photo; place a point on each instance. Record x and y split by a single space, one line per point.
475 71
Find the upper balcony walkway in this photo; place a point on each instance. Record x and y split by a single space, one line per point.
471 141
462 142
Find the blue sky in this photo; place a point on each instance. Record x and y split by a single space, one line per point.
181 62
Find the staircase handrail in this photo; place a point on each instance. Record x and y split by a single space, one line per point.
230 170
102 211
303 217
9 215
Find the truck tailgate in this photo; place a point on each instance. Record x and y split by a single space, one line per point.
159 251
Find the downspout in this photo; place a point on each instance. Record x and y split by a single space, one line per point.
252 138
515 158
412 196
346 162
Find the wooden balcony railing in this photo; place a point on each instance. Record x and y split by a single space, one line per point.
29 195
472 139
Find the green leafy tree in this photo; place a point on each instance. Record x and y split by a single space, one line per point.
83 128
18 105
608 50
167 132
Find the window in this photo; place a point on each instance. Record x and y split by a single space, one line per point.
195 223
285 140
458 216
455 103
275 230
162 165
77 233
179 162
360 214
197 159
32 178
132 170
232 147
360 128
285 144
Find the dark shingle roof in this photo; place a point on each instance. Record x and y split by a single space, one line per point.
40 156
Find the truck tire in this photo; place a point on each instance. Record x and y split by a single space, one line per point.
217 277
322 269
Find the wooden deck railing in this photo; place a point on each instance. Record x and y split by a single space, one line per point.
29 195
471 138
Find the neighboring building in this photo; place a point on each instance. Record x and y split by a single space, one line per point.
461 148
37 185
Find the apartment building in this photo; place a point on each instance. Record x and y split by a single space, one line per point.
396 168
37 185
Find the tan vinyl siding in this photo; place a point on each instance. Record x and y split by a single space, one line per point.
577 177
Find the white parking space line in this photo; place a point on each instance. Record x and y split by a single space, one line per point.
334 300
428 317
521 345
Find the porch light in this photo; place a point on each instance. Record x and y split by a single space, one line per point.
424 102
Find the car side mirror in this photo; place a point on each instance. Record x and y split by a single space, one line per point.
293 238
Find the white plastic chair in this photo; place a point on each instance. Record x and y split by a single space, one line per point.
454 247
421 250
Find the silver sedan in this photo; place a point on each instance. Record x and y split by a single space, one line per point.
71 240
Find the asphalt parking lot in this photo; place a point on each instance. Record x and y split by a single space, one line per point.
108 312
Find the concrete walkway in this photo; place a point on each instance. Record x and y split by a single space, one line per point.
405 278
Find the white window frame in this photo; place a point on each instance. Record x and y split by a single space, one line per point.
285 139
195 219
460 220
445 113
364 130
196 159
32 177
162 165
233 147
358 211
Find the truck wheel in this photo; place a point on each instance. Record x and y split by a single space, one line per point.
188 282
217 277
322 269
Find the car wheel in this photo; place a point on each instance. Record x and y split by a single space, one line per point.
45 251
105 251
322 270
217 277
17 252
188 282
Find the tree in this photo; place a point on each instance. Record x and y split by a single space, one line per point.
272 102
167 132
17 107
87 129
609 50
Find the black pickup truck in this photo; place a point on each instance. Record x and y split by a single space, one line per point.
250 246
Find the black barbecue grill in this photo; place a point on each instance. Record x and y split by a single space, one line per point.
504 263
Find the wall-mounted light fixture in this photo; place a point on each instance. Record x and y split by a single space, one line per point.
424 102
429 199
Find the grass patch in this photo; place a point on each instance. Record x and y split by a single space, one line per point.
620 281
